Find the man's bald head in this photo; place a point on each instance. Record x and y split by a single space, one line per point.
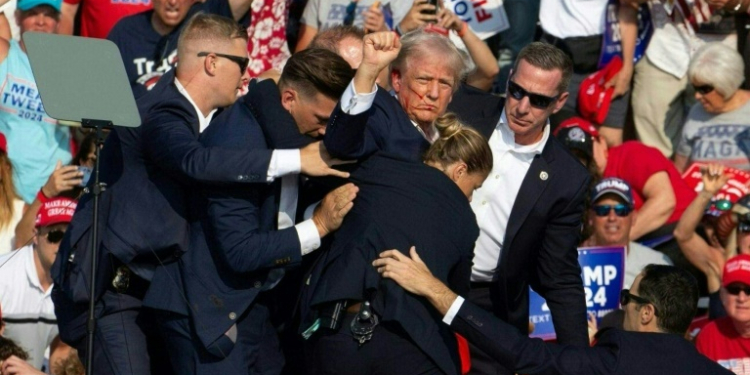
346 41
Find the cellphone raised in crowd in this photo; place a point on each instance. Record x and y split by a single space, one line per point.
86 175
434 10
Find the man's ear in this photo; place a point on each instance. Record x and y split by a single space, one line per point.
647 314
289 97
396 81
560 102
209 64
36 240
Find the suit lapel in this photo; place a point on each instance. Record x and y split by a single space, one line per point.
534 183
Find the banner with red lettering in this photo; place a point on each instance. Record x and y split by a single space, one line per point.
485 17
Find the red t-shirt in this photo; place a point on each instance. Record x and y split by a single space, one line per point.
99 16
635 163
720 342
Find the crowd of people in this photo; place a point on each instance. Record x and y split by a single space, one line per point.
359 186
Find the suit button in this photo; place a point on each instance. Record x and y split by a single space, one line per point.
257 284
232 316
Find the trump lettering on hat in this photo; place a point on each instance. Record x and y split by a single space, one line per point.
613 186
55 211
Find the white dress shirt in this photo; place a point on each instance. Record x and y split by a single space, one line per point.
353 104
493 202
287 165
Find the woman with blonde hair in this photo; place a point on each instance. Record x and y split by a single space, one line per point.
400 204
11 206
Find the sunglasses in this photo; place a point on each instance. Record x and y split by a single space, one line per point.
626 297
242 62
703 89
621 210
55 236
536 100
735 289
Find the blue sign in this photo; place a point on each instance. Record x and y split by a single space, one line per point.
611 40
603 272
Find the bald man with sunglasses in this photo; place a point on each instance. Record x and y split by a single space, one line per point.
26 283
612 215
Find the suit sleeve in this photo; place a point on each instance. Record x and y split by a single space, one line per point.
234 214
525 355
558 273
361 135
173 147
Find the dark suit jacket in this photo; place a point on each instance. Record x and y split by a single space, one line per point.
616 352
544 226
235 248
384 127
415 205
540 244
475 107
148 171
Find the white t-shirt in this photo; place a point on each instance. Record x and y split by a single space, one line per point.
8 234
28 311
324 14
638 257
572 18
672 44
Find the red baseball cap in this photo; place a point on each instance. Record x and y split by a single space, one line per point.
3 143
55 211
593 98
737 270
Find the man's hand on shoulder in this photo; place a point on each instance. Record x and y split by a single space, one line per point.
316 161
412 274
329 215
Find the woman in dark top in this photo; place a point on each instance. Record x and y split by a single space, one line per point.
361 324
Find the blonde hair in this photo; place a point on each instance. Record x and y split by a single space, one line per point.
7 191
459 143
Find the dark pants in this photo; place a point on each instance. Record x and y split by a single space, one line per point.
481 363
389 352
256 350
121 345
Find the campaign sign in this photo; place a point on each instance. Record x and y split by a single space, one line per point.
733 190
603 271
485 17
612 40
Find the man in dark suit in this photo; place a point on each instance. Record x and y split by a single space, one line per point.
148 171
529 209
213 305
659 308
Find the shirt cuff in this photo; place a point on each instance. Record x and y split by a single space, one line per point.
283 162
310 210
455 306
309 239
353 103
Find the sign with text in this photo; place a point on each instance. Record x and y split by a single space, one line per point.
603 271
612 40
733 190
485 17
